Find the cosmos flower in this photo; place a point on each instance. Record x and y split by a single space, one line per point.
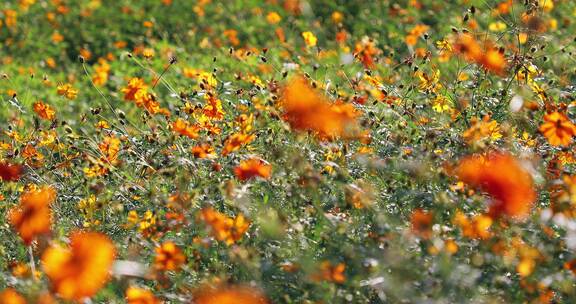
502 177
11 296
235 141
252 168
421 222
67 91
203 151
43 110
80 270
558 129
229 295
10 172
485 55
309 39
330 272
169 257
184 128
136 295
224 228
305 109
33 216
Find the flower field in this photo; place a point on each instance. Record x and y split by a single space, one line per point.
287 151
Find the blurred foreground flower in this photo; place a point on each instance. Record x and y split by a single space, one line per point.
136 295
33 216
501 176
11 296
80 270
230 295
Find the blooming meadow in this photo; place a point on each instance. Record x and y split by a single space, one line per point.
287 151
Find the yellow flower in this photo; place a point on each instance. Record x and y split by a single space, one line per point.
309 39
148 53
481 130
546 5
497 26
441 104
273 18
67 91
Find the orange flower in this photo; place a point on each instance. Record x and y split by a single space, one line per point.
184 128
33 216
203 151
230 295
558 129
10 172
136 295
476 228
468 47
305 109
169 257
235 141
11 296
134 89
80 270
43 110
331 273
110 147
213 108
422 223
67 91
503 178
487 56
225 228
252 168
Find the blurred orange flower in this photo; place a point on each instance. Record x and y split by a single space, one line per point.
230 295
136 295
169 257
305 109
487 56
331 273
33 216
251 168
80 270
558 129
476 228
224 228
11 296
10 172
422 223
501 176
